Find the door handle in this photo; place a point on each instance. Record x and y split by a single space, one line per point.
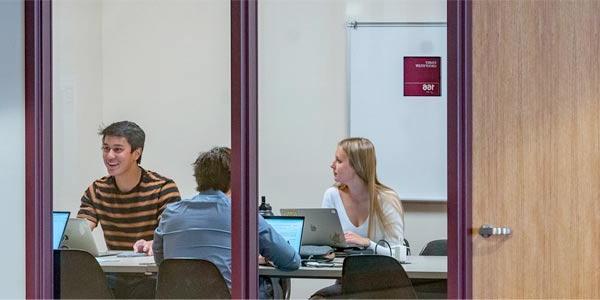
487 230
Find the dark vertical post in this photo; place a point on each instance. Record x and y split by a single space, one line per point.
459 149
38 149
244 135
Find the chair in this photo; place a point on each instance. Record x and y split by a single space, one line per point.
190 279
435 248
77 275
432 288
375 276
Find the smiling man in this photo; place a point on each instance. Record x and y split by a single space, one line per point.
128 201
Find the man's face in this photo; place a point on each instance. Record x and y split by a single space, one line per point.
117 155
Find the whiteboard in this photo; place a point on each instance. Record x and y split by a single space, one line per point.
409 133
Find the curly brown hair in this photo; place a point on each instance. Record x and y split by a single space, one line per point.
212 170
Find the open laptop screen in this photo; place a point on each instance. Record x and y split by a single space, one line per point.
322 228
290 228
59 223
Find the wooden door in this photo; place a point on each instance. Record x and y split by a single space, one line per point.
536 148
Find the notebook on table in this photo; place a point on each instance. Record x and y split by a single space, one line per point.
78 235
290 228
59 223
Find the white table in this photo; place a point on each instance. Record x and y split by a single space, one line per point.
425 267
140 264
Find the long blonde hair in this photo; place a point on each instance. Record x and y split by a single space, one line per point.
361 156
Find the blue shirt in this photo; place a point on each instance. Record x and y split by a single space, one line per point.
200 228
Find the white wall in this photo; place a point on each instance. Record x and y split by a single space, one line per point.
12 151
77 99
166 65
303 108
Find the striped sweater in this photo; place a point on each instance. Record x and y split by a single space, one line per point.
127 217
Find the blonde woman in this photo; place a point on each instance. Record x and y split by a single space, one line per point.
368 210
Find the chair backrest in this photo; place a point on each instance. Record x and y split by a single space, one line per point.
407 246
190 279
435 248
375 276
432 288
77 275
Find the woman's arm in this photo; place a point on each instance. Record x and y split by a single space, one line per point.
393 218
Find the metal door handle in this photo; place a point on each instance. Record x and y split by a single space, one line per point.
488 230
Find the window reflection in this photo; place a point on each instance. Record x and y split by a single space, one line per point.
304 105
164 65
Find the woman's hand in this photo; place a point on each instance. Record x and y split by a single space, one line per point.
355 239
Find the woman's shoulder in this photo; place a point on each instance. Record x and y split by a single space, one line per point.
331 197
389 194
389 198
333 190
332 193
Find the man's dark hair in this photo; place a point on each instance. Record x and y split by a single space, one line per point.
212 170
134 135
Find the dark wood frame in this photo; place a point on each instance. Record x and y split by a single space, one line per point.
38 149
244 142
244 134
459 149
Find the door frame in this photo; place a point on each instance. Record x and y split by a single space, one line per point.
38 149
244 145
459 115
244 83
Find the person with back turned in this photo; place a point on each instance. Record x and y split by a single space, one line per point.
200 227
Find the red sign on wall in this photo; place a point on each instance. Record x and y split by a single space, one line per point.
422 76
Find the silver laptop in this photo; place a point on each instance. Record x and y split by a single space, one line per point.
322 226
78 235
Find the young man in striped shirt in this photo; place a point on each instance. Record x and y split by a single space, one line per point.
129 201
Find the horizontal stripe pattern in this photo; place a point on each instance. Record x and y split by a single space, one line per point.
128 217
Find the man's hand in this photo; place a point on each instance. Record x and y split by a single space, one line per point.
261 260
143 246
264 261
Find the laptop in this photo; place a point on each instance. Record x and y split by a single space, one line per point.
78 235
323 227
290 228
59 223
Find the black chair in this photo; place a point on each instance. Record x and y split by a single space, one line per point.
375 276
435 248
77 275
190 279
432 288
407 246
